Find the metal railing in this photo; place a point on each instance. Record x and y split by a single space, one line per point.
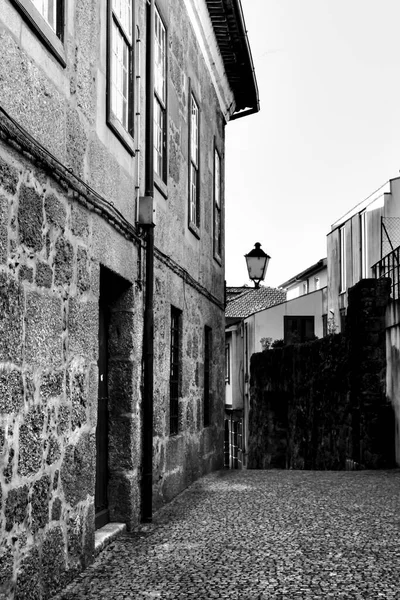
389 266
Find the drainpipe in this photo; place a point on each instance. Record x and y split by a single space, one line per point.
148 340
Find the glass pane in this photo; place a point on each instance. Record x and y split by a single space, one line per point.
48 10
119 76
194 132
122 10
159 57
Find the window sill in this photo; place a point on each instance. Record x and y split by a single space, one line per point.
42 29
194 229
161 185
124 137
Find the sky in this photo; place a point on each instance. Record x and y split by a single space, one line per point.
327 134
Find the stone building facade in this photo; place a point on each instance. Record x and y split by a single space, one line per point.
110 113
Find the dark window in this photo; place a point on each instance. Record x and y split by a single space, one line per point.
298 329
194 166
207 375
227 364
175 370
46 19
120 70
217 207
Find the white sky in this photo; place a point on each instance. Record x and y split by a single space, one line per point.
327 134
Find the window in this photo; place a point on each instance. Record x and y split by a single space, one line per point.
305 287
160 97
317 283
363 245
298 329
46 19
227 364
217 206
175 370
207 375
120 71
342 258
194 180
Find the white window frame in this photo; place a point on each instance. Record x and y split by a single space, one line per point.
194 165
160 98
120 80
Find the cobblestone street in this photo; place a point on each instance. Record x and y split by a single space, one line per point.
257 535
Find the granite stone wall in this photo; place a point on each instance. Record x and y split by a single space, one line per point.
323 404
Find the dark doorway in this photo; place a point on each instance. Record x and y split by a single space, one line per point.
101 496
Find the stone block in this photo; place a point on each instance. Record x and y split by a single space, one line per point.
122 432
40 503
53 561
56 509
88 537
55 210
121 340
28 577
83 328
124 499
43 330
11 391
63 262
6 571
120 387
78 469
51 385
80 225
82 271
64 419
30 218
3 229
44 275
11 319
26 273
77 391
8 177
31 443
53 450
15 511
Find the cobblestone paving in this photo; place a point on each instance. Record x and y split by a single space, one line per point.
257 535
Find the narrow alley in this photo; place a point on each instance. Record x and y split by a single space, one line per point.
255 535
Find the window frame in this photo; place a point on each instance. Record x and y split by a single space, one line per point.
207 389
194 226
52 39
175 377
126 136
217 212
301 329
227 363
342 259
161 180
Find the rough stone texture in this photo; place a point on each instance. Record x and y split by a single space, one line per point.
63 262
8 177
56 510
55 211
16 507
11 391
297 535
80 222
31 443
43 330
30 218
6 570
11 322
26 273
28 578
40 503
322 405
53 560
44 275
82 270
78 469
51 385
3 228
76 142
83 328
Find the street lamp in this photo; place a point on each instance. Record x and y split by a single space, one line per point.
257 263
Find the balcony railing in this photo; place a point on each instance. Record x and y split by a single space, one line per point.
389 266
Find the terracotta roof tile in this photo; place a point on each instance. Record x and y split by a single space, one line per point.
252 300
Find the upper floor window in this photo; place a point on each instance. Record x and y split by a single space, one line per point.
298 329
160 98
227 364
217 206
317 283
194 179
342 258
363 245
120 70
46 19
